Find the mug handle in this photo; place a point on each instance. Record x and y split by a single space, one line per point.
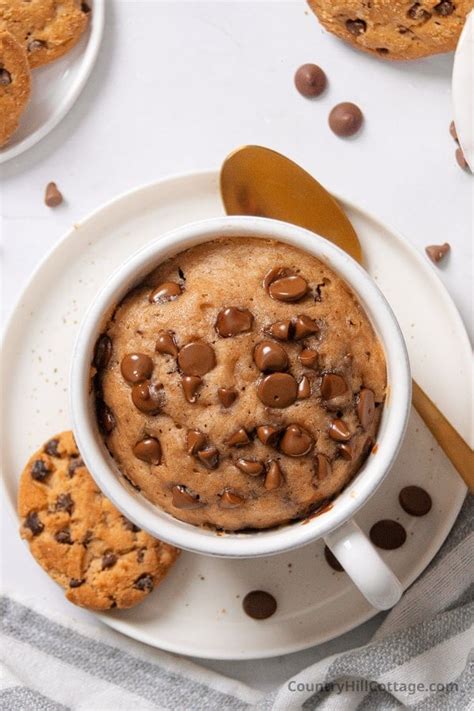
377 583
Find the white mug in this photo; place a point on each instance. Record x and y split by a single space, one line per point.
335 524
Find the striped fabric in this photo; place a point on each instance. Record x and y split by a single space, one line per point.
419 658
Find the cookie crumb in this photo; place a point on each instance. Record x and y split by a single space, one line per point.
436 252
52 196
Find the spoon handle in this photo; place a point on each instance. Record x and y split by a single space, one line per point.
450 441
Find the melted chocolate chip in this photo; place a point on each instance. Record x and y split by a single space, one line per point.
63 537
191 385
209 456
270 356
231 500
366 407
33 522
444 8
36 44
195 441
231 321
147 397
105 416
296 442
74 464
148 450
339 431
308 358
136 367
5 77
227 396
268 435
144 583
332 561
39 470
102 352
64 502
108 560
322 467
388 534
415 500
239 439
416 12
346 451
168 291
76 582
196 358
310 80
304 388
288 288
130 526
274 477
304 327
259 604
356 27
250 466
332 385
277 390
281 330
51 448
165 343
184 498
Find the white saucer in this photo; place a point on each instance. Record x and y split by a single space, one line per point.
197 610
56 86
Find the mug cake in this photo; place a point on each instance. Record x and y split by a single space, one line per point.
240 385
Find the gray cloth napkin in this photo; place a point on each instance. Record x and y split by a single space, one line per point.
419 658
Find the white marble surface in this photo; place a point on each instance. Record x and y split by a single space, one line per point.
180 84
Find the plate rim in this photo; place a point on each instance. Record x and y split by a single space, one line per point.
88 59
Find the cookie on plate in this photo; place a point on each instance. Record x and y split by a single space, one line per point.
47 29
395 29
100 558
15 85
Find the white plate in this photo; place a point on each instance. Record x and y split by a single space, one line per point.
56 86
197 610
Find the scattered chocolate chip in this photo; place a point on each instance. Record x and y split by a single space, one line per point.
273 477
136 367
36 44
332 561
277 390
195 441
102 352
304 388
345 119
209 456
196 358
74 464
388 534
183 498
230 500
76 582
147 397
63 537
5 77
39 470
33 522
231 321
322 467
416 12
356 27
130 526
259 604
339 431
268 435
108 560
105 417
239 439
296 442
310 80
144 583
168 291
191 385
332 385
270 356
436 252
452 131
250 466
165 343
281 330
415 500
52 196
148 450
461 160
304 327
444 8
64 502
308 358
366 407
227 396
289 288
346 451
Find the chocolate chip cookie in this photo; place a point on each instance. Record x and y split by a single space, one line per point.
46 29
395 29
240 385
100 558
15 85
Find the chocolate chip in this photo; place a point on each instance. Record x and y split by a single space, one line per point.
444 8
227 396
304 388
268 435
63 537
87 538
209 456
296 442
250 466
130 526
332 561
305 326
322 467
196 358
168 291
366 407
416 12
461 160
74 464
184 498
52 196
231 321
148 450
388 534
277 390
76 582
239 439
165 343
36 44
144 583
5 77
108 560
33 522
310 80
40 470
274 477
382 50
147 397
308 358
356 27
345 119
415 500
85 8
339 431
289 289
452 131
64 502
51 447
270 356
281 330
191 385
346 451
332 385
102 352
105 417
259 604
436 252
231 500
136 367
195 441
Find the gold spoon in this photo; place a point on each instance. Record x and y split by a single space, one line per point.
262 182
